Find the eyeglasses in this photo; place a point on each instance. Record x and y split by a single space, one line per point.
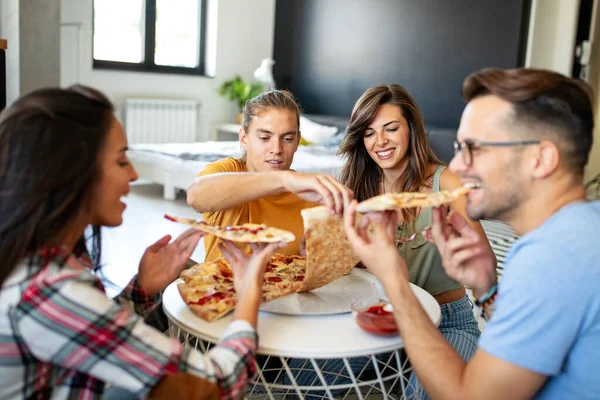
466 147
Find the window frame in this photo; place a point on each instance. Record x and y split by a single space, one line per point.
148 64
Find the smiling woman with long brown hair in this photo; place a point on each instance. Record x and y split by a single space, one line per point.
64 167
387 150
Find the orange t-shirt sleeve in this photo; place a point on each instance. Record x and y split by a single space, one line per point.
225 165
231 216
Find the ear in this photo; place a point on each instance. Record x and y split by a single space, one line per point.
243 137
547 160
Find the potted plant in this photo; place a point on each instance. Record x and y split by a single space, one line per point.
240 91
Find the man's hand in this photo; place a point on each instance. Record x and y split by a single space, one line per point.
162 262
466 256
248 269
376 249
321 189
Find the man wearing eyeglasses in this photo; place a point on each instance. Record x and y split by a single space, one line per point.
523 141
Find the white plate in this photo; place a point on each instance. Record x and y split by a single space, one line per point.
334 298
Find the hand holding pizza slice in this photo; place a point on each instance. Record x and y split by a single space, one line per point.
247 267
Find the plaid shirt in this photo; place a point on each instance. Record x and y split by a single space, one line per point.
62 337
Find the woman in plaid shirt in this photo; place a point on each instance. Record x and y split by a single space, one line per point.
63 167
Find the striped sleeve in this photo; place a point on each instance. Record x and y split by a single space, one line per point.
64 320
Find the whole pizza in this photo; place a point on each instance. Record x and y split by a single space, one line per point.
208 288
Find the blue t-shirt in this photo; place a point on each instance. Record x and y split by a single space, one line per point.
547 316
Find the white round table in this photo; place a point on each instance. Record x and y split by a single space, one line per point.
286 339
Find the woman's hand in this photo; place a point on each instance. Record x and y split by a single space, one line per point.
376 247
248 275
162 262
248 269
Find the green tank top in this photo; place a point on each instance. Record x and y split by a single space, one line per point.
423 259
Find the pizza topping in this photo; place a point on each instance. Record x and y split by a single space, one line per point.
273 279
253 231
213 297
270 268
226 274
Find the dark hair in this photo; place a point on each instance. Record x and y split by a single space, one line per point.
49 145
360 173
277 99
543 99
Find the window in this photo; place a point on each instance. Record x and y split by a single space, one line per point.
150 35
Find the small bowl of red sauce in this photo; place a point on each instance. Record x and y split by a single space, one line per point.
375 316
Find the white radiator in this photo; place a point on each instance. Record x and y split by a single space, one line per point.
161 121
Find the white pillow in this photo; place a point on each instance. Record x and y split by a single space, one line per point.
314 132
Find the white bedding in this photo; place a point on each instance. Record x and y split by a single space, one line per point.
170 165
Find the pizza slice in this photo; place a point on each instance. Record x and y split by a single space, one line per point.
248 233
207 303
329 255
394 201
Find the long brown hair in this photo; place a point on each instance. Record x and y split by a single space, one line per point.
49 145
543 98
360 173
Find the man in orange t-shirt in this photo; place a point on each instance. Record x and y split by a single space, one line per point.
260 187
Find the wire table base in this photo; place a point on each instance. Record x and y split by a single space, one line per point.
378 376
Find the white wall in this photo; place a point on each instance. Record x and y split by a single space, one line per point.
33 55
551 45
9 30
244 36
552 33
39 44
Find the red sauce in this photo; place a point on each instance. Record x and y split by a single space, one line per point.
244 229
206 299
270 268
299 278
170 218
378 309
226 274
273 279
377 321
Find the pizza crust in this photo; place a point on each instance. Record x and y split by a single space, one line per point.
329 254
